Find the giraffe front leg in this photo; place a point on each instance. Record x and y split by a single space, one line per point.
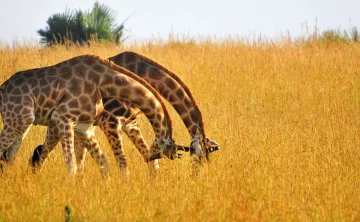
133 131
96 153
13 129
110 125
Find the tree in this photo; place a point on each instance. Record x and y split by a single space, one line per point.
79 26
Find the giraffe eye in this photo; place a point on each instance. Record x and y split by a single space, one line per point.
118 80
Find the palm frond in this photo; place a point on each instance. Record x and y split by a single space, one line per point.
79 26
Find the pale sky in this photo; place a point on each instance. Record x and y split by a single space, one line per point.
19 19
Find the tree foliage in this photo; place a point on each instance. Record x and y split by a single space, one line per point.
81 26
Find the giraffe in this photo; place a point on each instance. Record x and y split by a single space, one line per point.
67 97
171 87
176 92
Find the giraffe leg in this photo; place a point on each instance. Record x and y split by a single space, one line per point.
80 151
42 152
133 131
60 128
96 153
110 125
67 142
14 128
9 154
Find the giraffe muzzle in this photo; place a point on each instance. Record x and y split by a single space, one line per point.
213 149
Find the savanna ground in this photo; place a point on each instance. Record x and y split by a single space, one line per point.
286 116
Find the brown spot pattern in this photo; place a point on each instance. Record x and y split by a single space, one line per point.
41 99
74 61
83 117
188 103
19 81
172 98
180 94
111 90
139 91
88 87
99 68
73 103
180 108
141 69
131 68
187 121
154 73
194 116
138 101
130 58
125 92
170 83
84 100
89 61
93 77
80 70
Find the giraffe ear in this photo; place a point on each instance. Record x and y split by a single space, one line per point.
182 148
213 143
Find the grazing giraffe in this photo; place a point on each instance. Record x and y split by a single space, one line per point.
174 90
67 97
170 87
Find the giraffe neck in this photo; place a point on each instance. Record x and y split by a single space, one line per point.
137 91
169 86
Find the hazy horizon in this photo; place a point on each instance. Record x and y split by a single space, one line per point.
157 19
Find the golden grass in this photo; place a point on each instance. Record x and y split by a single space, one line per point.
286 116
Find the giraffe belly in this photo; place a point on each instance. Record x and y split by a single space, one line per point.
41 121
82 128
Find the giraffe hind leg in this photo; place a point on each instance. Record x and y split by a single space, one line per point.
9 154
67 142
80 151
63 129
41 152
14 128
133 131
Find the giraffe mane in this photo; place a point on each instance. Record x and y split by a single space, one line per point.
138 79
176 78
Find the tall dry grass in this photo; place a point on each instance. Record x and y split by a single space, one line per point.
286 116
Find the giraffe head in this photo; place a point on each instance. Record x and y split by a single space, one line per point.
167 147
199 146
